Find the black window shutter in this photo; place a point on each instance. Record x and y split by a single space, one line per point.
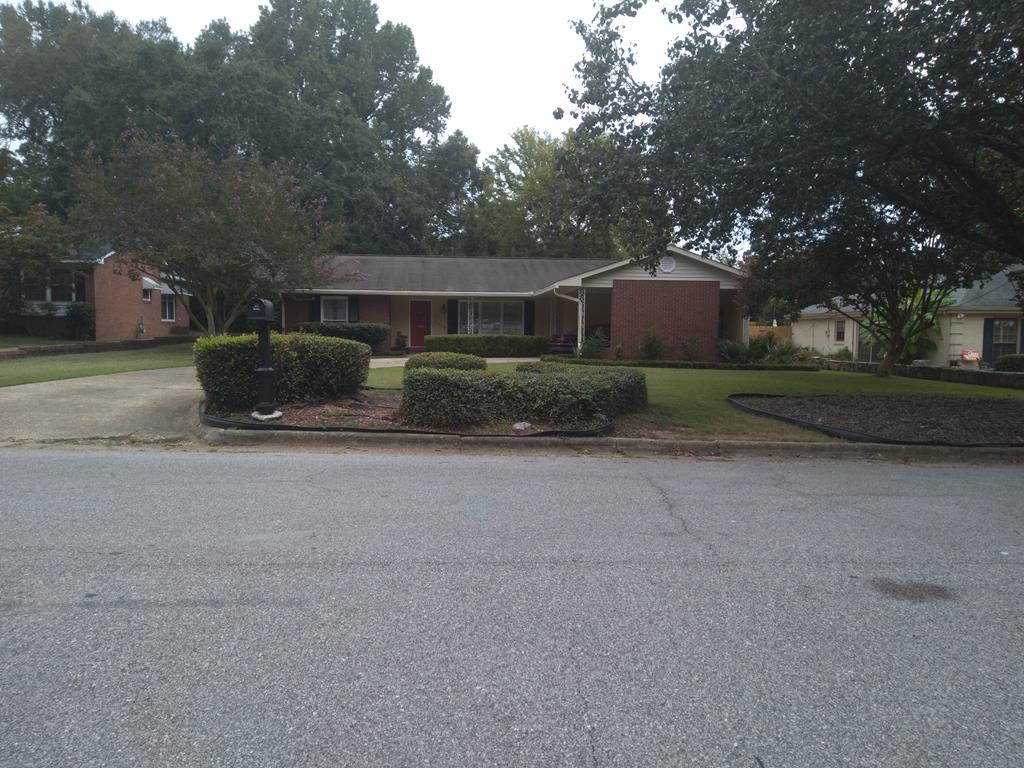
314 309
353 309
453 315
986 340
528 315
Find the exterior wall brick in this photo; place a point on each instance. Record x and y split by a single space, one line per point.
296 310
375 309
677 309
120 308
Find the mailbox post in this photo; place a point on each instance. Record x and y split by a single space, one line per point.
261 312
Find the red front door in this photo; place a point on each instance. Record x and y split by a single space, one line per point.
419 322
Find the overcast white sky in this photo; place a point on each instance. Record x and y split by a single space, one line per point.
504 63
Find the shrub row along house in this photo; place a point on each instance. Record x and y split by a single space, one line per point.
688 300
983 321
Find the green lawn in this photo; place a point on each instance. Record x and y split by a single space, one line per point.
692 402
26 370
9 341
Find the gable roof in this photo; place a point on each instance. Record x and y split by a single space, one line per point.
451 274
996 294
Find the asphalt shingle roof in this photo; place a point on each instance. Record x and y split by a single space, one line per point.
454 274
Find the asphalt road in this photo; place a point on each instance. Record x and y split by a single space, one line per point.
205 609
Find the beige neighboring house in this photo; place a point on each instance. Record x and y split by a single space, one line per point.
985 317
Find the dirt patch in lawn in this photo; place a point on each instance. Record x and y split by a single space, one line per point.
372 410
907 418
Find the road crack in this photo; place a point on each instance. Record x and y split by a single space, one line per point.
672 510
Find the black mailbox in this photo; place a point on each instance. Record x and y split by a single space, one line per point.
260 309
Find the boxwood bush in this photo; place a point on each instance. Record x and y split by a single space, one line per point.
374 334
306 367
1009 363
455 360
446 398
488 345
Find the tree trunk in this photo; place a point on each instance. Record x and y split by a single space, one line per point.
892 356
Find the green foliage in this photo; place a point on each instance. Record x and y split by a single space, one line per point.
31 244
653 346
617 352
1009 363
453 360
80 319
689 350
306 367
446 398
320 82
594 345
525 209
374 334
225 231
683 364
401 342
730 351
488 345
843 353
902 106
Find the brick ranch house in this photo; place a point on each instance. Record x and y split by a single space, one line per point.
125 308
688 298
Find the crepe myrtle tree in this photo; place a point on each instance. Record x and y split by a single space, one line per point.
884 269
765 107
221 231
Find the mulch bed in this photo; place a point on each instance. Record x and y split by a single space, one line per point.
367 410
908 418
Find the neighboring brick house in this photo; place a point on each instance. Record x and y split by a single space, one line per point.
688 299
125 308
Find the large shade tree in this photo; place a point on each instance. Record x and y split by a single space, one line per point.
321 83
218 231
528 207
795 126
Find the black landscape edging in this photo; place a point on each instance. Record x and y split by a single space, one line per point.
222 423
845 434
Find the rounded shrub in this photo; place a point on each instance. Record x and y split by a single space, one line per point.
1009 363
455 360
306 367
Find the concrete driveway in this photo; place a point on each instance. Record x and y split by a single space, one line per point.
151 405
140 404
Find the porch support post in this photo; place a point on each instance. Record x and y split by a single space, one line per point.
581 317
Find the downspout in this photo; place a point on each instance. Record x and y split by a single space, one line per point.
579 315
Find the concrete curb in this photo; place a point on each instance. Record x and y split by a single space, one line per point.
621 446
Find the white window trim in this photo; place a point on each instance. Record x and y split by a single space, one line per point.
501 303
324 299
147 295
836 332
174 308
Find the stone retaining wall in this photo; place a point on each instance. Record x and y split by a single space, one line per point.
934 373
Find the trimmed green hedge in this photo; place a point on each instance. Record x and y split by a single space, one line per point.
374 334
488 345
679 364
306 367
455 360
1009 364
446 398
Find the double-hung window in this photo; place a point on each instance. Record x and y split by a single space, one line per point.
1005 332
501 317
167 307
840 331
334 309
